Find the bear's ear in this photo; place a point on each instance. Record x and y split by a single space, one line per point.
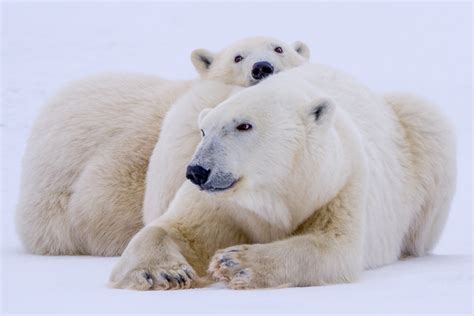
322 112
302 49
203 114
202 60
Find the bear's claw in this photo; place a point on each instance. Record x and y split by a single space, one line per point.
232 267
160 278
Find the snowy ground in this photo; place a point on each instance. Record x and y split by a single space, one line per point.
424 48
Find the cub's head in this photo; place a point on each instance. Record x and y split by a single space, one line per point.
249 61
263 144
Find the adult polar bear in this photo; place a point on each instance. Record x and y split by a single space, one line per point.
309 178
84 167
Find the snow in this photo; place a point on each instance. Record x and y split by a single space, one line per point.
64 284
423 47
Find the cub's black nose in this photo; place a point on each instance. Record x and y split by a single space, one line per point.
197 174
261 70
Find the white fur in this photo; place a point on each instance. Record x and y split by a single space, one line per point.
318 199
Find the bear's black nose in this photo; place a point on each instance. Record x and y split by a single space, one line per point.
197 174
261 70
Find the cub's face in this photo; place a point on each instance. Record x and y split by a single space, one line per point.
249 61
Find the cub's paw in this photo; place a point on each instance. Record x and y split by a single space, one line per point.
159 277
239 267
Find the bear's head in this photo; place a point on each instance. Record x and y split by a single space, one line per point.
249 61
268 148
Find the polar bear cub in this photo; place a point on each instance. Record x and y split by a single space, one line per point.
84 168
306 179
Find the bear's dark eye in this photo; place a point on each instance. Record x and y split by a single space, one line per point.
279 50
244 127
202 133
238 59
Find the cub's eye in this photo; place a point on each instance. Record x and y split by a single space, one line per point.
238 59
244 127
202 133
279 50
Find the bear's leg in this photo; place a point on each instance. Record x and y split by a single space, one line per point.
167 168
174 250
431 141
42 220
327 248
105 208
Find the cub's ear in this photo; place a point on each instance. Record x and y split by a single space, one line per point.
202 60
321 112
302 49
203 114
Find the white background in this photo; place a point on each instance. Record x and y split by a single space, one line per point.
423 48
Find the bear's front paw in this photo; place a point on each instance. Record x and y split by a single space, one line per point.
154 277
239 267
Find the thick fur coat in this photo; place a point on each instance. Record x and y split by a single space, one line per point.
310 178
